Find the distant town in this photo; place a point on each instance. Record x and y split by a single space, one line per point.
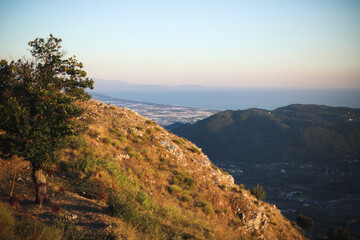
164 115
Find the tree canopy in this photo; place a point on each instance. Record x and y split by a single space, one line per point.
37 102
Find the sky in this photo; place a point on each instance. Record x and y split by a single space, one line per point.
268 43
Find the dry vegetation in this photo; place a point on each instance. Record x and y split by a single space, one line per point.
128 178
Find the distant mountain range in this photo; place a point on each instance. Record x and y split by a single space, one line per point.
110 85
310 150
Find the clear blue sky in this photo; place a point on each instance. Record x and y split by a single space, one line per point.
281 43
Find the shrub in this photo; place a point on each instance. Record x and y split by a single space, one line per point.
12 229
128 149
106 140
238 221
87 163
143 198
305 222
174 189
183 179
25 228
195 150
206 207
259 192
339 233
96 134
126 207
186 198
7 222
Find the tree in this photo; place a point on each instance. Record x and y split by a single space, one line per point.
37 106
339 233
259 192
305 222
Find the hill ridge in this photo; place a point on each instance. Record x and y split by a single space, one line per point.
146 183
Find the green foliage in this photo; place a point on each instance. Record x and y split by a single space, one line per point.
259 192
127 208
106 140
195 150
13 229
176 190
339 233
183 179
176 141
186 198
7 222
37 102
206 206
305 222
128 149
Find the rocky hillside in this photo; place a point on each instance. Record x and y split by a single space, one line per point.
128 178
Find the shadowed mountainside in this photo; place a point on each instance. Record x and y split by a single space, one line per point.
310 150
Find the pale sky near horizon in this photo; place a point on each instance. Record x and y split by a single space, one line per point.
269 43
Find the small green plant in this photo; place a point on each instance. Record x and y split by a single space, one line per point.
175 190
106 140
259 192
238 222
206 206
195 150
128 149
149 122
186 198
96 134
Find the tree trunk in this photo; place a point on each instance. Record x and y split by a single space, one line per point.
40 186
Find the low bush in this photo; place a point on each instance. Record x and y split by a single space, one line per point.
174 189
206 207
305 222
339 233
183 179
106 140
259 192
13 229
7 222
195 150
186 198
